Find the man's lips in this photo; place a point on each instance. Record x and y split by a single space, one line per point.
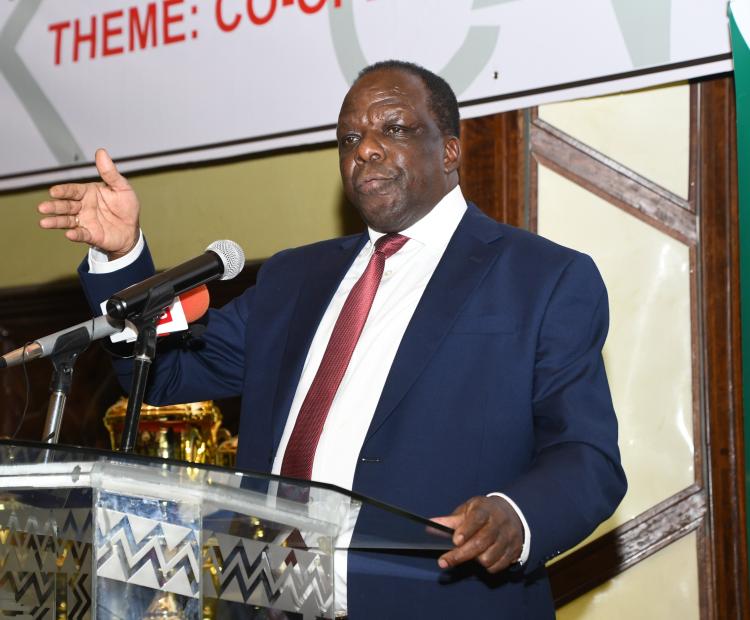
373 183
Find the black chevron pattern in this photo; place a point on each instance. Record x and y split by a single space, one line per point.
248 566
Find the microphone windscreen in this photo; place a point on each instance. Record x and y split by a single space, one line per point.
231 255
195 303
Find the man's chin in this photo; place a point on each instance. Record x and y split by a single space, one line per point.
383 216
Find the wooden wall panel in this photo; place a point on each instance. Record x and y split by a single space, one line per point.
725 578
494 165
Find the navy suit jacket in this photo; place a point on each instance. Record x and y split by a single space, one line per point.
497 385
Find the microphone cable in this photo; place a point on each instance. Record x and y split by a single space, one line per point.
27 383
28 392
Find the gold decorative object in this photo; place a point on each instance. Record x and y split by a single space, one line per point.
164 607
189 432
226 451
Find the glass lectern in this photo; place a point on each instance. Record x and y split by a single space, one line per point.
94 534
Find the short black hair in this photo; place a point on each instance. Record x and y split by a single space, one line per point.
441 98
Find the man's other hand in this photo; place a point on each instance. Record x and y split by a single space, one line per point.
103 215
486 529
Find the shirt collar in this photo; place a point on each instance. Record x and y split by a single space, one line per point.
438 226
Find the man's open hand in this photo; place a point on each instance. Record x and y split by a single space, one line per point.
103 215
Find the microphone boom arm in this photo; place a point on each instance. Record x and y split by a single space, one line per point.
65 353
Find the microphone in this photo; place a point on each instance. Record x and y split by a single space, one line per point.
222 260
194 305
99 327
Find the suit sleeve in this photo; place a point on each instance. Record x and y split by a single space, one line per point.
575 481
206 368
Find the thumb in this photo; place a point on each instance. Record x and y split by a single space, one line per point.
108 172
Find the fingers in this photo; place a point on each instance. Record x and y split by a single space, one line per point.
71 224
108 171
452 521
486 530
63 214
60 207
472 547
68 191
475 517
433 530
496 558
59 221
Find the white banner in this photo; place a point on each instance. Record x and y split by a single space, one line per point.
173 81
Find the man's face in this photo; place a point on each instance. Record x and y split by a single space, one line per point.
395 162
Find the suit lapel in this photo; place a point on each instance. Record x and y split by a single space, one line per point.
316 291
469 255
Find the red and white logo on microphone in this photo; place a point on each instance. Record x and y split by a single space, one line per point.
185 309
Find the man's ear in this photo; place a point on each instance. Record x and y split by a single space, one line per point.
452 154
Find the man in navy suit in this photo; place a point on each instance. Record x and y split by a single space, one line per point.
476 389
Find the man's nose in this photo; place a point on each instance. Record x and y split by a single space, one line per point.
369 148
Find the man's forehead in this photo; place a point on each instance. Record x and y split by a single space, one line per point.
389 76
384 87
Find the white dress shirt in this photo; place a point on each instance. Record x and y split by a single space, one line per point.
404 280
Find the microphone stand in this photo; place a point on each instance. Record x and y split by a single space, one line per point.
67 350
159 298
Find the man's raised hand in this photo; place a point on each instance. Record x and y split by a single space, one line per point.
102 214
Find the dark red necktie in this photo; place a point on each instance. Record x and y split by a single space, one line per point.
300 451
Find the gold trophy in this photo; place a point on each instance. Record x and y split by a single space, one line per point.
187 432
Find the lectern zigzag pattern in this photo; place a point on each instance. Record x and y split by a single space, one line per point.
43 558
121 556
65 523
267 575
31 552
33 594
